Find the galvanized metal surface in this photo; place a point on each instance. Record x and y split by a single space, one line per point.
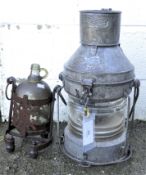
98 79
103 152
100 28
107 68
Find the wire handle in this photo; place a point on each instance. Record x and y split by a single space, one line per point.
135 98
57 91
10 81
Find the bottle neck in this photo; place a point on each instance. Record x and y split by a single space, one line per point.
35 72
34 75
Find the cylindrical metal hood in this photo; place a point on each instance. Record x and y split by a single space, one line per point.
100 27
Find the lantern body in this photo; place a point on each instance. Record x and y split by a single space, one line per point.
98 79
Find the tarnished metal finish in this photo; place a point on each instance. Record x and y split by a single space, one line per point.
104 152
21 117
107 68
33 97
98 79
31 111
100 28
30 115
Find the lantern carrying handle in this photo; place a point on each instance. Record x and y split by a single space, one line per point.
46 73
57 91
10 81
136 86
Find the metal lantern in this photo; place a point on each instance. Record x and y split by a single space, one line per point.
31 111
98 79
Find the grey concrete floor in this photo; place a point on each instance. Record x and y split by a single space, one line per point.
52 162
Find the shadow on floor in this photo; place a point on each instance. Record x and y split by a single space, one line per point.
52 162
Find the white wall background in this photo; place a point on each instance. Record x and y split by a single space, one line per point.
47 32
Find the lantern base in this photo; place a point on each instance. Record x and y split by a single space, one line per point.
37 141
103 152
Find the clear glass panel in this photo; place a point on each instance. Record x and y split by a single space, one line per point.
109 117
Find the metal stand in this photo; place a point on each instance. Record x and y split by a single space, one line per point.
19 124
